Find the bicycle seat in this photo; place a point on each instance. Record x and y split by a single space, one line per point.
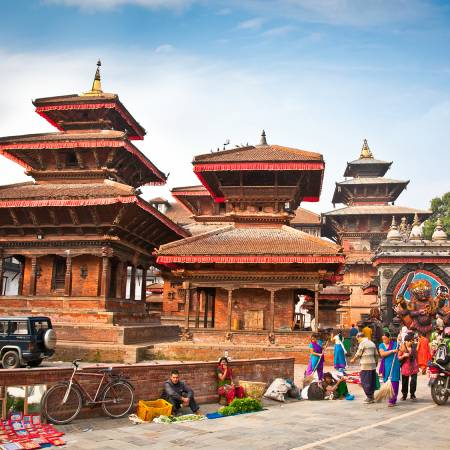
106 370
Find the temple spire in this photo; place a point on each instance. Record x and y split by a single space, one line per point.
439 233
365 151
393 234
96 88
263 140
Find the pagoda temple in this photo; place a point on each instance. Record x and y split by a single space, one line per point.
240 280
82 234
363 223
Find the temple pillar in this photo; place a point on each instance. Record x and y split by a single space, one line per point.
68 278
33 274
1 274
187 303
119 280
316 308
133 283
144 285
272 310
229 309
199 295
106 276
22 271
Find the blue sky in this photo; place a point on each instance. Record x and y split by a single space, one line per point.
316 74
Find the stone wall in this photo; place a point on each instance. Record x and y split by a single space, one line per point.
148 378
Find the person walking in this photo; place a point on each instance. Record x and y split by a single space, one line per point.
340 363
409 367
316 359
368 354
353 340
390 365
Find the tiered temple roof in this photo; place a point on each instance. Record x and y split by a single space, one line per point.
369 198
87 177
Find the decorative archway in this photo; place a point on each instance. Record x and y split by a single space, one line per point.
431 271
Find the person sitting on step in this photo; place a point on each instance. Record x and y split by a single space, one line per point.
179 394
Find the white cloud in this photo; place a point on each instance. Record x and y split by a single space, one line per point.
279 31
164 48
224 12
251 24
111 4
357 13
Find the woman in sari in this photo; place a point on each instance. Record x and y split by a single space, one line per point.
315 357
390 365
340 362
225 385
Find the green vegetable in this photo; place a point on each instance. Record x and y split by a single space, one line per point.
241 405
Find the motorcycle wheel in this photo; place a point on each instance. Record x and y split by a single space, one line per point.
439 392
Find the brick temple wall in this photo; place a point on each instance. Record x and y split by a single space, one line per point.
148 378
89 286
256 300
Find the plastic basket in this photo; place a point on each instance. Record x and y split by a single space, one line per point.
253 389
148 410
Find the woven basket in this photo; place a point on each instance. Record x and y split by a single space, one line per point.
253 389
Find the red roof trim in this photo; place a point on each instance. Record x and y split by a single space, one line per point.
97 201
50 121
250 259
428 259
260 166
16 160
126 116
65 202
205 183
191 193
162 218
83 144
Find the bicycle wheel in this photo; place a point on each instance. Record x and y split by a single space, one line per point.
118 399
53 407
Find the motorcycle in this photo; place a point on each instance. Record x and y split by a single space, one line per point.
440 383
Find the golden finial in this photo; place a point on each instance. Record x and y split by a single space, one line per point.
416 220
365 151
97 83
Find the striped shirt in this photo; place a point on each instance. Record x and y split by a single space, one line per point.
368 353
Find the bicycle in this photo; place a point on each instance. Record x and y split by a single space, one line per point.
63 401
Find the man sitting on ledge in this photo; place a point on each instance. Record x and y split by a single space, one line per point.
178 394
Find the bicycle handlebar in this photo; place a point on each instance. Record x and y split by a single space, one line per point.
75 362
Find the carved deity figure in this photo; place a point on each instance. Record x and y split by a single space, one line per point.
418 313
443 305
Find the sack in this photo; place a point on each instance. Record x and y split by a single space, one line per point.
441 356
315 391
277 389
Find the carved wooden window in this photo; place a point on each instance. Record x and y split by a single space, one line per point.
59 273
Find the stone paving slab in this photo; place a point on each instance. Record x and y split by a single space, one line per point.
304 424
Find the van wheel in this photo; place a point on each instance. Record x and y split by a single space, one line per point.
11 360
35 363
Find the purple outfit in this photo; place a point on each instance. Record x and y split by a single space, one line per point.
315 362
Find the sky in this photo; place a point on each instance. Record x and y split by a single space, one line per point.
318 75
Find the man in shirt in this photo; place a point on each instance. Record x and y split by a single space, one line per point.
368 354
178 394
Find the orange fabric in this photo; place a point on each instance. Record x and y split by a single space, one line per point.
423 352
